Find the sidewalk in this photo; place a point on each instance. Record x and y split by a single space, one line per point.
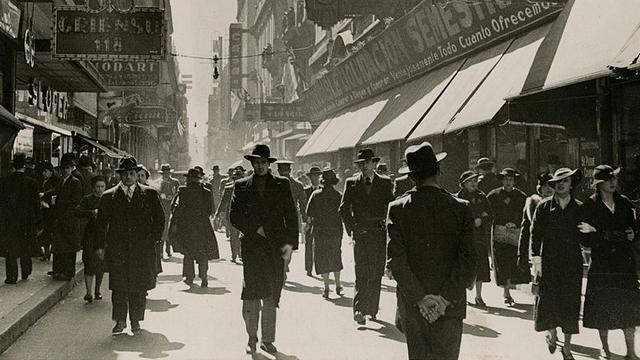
21 305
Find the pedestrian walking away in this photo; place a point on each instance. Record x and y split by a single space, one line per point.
610 228
214 183
265 213
314 175
363 210
93 264
168 189
67 230
130 222
191 231
507 203
326 230
433 259
482 217
20 220
557 260
222 216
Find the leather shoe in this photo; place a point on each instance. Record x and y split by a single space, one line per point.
268 347
339 291
359 318
119 328
98 296
251 348
88 298
135 326
10 282
204 283
188 281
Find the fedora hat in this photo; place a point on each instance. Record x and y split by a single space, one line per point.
200 169
604 173
215 167
329 177
366 154
466 176
193 173
511 172
261 151
314 171
128 163
165 168
421 158
284 162
564 173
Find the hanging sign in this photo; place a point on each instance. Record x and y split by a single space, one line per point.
48 100
84 34
9 18
129 73
151 115
428 37
29 48
235 53
294 112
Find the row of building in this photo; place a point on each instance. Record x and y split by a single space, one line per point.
50 106
522 82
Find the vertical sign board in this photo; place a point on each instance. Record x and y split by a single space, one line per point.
235 56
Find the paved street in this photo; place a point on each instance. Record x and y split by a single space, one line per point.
193 324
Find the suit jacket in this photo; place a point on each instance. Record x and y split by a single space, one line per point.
277 214
67 230
361 212
401 185
129 231
431 247
19 215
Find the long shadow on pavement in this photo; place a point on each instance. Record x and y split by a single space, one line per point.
387 331
479 330
278 356
521 311
149 345
160 305
588 351
299 288
206 291
169 278
343 301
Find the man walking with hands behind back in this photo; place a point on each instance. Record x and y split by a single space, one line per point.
433 259
263 210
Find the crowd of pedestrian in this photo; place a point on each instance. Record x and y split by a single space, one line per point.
435 244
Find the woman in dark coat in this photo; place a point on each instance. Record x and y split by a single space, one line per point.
190 229
48 190
326 228
507 203
557 260
612 300
482 215
543 190
93 265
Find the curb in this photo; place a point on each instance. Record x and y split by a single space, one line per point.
15 323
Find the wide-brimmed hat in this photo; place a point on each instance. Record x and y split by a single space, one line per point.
564 173
422 159
484 162
315 170
366 154
143 168
128 163
193 173
261 151
165 168
200 169
511 172
284 162
466 176
329 177
604 173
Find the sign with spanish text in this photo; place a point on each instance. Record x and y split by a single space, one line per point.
84 34
235 56
428 37
283 112
47 100
129 73
151 115
9 18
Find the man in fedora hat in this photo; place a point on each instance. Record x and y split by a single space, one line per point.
433 259
363 210
168 190
222 214
86 167
314 175
129 225
487 180
214 182
263 210
507 203
402 183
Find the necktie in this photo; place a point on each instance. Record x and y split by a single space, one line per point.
367 182
130 190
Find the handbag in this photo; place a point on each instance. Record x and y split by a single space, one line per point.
506 235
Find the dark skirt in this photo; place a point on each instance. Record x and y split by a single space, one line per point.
505 260
608 308
92 263
482 269
558 304
327 252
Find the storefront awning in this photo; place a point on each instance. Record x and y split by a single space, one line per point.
317 134
507 77
43 125
9 118
629 56
93 142
465 82
582 43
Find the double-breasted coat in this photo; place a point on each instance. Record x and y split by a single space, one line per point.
555 237
129 231
273 209
480 209
19 216
190 231
67 230
326 229
612 299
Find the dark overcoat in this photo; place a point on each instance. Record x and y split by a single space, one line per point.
326 229
556 238
612 299
480 209
275 211
489 182
67 229
19 216
85 210
129 231
49 188
190 230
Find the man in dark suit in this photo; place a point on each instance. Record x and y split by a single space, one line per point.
314 177
20 216
222 215
363 210
129 226
432 257
214 182
263 210
66 241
